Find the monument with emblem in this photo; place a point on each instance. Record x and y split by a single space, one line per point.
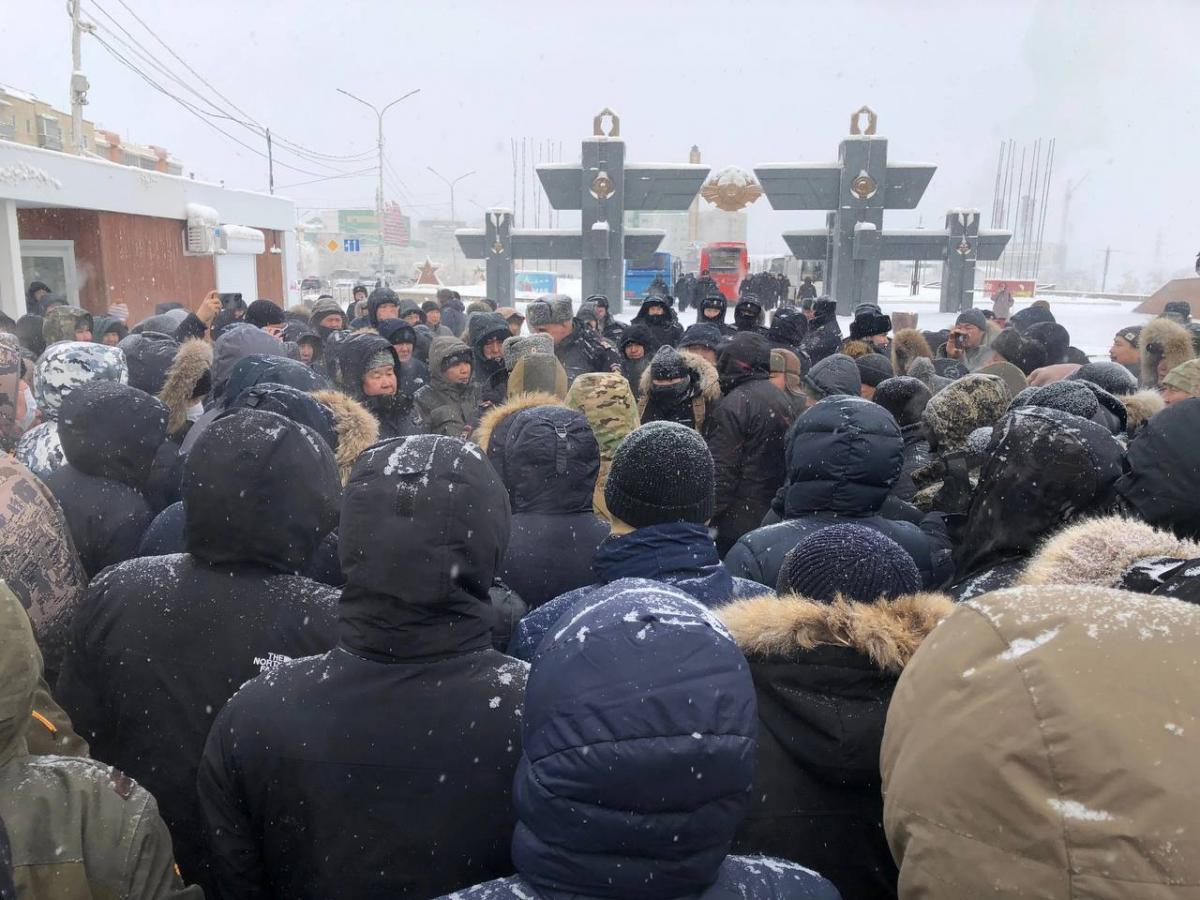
855 191
602 186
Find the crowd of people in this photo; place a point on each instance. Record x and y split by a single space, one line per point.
418 600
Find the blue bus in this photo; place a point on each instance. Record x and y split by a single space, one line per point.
640 274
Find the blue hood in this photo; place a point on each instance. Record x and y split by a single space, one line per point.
679 553
639 741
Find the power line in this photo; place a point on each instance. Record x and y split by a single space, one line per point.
360 172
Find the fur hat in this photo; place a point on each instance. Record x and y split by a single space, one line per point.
520 346
1163 339
904 397
1113 377
966 404
548 312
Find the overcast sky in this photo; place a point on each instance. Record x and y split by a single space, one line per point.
1115 82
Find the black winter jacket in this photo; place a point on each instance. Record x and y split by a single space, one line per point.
823 339
161 643
843 457
383 768
551 462
586 351
349 360
746 434
110 434
1163 481
917 455
664 329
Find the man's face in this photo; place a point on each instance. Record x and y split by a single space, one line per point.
867 392
655 310
433 317
634 351
493 348
306 352
110 338
557 330
702 352
39 294
379 382
1172 395
974 336
601 312
386 311
712 312
360 296
514 326
83 334
1123 352
412 318
878 340
403 350
333 320
1163 370
459 373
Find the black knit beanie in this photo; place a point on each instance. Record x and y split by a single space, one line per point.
662 472
873 368
667 364
859 563
262 313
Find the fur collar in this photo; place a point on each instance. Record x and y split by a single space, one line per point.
356 428
710 382
1175 342
888 632
1100 551
192 360
908 344
1141 406
497 414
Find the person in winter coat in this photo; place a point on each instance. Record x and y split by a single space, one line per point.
788 329
487 333
365 369
748 315
636 355
449 404
662 490
1163 471
454 314
618 797
1044 468
382 304
538 373
433 319
149 356
327 317
306 789
579 349
906 398
999 777
1124 350
607 401
712 312
110 434
843 457
971 339
657 316
109 330
76 828
702 340
1165 344
678 387
824 333
205 621
413 373
61 369
550 465
825 656
746 435
608 326
66 323
837 375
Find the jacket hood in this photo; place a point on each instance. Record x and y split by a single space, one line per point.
1099 552
1044 467
356 428
438 499
258 369
974 401
843 456
236 342
397 331
20 669
788 326
747 357
481 326
638 333
607 401
162 323
999 778
69 364
703 375
192 363
678 553
149 357
112 431
1140 406
10 386
442 348
592 745
1163 478
259 488
293 404
643 314
1163 339
379 297
348 360
551 462
61 322
835 375
494 428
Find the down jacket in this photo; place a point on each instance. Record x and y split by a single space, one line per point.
843 457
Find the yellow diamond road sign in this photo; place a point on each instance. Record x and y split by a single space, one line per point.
332 245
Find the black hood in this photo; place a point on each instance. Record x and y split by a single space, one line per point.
1163 482
788 326
397 331
747 357
717 299
149 356
292 404
110 430
348 360
843 456
424 528
643 315
260 369
480 327
379 297
1044 468
259 488
551 461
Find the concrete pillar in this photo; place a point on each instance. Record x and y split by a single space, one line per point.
603 191
958 272
862 193
12 280
497 238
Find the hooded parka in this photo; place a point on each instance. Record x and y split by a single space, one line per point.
446 408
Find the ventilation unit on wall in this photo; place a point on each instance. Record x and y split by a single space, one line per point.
240 239
200 235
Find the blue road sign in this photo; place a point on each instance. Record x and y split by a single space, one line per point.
352 245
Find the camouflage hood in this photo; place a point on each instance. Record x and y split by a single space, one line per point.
10 385
61 323
607 401
69 364
20 665
975 401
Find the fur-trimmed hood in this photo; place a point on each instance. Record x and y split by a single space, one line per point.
1163 339
908 344
1141 406
1101 551
497 414
356 428
710 382
192 361
888 632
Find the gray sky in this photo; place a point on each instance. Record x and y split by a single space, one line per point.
751 82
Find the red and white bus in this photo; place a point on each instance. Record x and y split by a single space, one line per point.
727 264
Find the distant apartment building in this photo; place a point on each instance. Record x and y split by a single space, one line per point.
27 120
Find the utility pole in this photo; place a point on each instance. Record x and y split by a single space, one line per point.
1108 252
379 191
450 184
270 164
79 83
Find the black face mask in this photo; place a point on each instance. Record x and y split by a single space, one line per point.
672 393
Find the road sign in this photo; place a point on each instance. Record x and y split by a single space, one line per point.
352 245
332 245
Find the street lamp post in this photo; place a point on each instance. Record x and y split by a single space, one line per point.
379 193
450 183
